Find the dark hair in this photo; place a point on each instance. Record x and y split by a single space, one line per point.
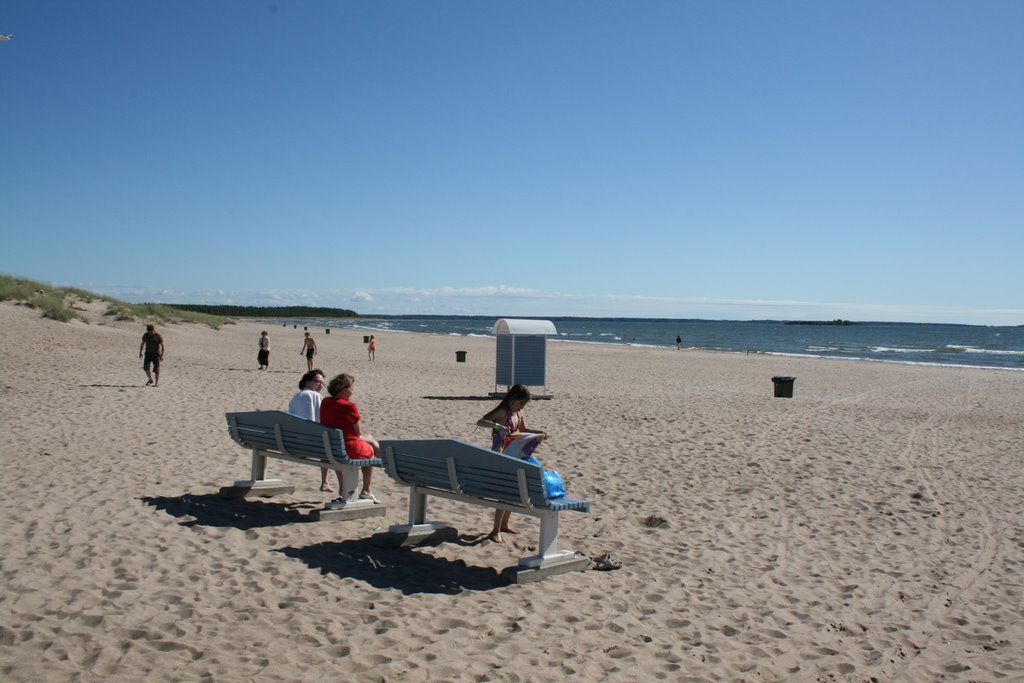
150 328
339 384
309 377
517 392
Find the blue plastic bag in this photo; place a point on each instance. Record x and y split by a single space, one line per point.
553 484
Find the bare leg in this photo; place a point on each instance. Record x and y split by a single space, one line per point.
495 534
324 486
368 470
501 524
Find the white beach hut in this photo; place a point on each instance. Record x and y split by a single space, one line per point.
522 354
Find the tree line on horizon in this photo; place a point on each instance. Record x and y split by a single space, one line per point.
267 311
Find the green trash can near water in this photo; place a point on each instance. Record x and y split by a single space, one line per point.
366 339
783 386
460 356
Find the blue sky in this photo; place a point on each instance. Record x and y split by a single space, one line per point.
718 159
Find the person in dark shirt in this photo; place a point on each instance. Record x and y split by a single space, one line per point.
153 347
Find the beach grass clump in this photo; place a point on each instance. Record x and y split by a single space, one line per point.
57 303
17 288
56 306
163 313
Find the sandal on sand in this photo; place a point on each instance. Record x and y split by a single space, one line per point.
606 563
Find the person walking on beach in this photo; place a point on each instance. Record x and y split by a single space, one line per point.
372 349
505 421
153 347
306 404
679 342
264 354
340 412
309 348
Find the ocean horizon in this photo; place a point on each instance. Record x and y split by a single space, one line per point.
957 345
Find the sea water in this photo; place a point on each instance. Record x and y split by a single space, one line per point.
934 344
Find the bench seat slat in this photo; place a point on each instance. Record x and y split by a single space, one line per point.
307 441
472 482
302 439
480 472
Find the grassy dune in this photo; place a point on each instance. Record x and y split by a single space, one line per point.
62 303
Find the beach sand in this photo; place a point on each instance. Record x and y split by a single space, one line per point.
868 529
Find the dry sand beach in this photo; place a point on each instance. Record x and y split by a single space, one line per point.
869 529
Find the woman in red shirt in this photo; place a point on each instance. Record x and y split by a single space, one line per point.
340 412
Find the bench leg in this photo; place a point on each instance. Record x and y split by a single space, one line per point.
418 530
258 485
417 506
347 505
349 482
547 549
417 516
259 465
548 561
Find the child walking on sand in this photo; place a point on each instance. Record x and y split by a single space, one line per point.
505 421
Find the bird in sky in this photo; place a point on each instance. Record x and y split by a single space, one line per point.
6 37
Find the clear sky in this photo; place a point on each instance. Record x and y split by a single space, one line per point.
741 159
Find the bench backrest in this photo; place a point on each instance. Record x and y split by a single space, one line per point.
279 432
464 468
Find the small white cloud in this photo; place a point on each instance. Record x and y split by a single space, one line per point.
361 297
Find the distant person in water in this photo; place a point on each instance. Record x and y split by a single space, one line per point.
153 347
372 349
264 353
309 348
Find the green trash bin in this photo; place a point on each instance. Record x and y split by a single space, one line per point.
366 339
460 356
783 386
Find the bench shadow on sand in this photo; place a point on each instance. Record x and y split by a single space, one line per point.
211 509
404 569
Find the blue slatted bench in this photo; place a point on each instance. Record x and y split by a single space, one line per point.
462 471
276 434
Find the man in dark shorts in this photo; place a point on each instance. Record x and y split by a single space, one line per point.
309 348
153 345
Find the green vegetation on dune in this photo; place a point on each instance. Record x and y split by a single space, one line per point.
52 302
164 313
268 311
58 303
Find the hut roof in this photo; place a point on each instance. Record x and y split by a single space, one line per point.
524 326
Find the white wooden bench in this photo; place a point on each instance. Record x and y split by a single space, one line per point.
276 434
462 471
